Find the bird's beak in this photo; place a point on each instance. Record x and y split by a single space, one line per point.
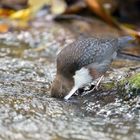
73 90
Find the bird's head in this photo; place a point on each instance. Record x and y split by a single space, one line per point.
61 86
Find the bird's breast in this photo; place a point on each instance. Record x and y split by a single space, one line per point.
82 77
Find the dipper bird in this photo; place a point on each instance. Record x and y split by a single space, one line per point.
83 61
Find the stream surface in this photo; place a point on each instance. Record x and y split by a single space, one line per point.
28 112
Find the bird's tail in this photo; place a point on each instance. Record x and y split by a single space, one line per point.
125 41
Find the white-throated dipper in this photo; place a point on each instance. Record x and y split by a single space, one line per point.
84 60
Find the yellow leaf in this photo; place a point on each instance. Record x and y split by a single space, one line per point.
21 14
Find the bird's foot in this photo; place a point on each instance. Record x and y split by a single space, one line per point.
95 87
98 82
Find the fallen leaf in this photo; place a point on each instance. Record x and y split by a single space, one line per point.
130 31
6 12
97 7
4 28
21 14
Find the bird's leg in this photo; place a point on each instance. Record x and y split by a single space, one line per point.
95 87
97 84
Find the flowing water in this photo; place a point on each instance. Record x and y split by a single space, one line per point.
28 112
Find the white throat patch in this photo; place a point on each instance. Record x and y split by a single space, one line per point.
81 78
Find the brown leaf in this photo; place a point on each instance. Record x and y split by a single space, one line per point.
6 12
130 31
96 7
101 12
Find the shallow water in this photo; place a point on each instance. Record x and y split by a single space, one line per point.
28 112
